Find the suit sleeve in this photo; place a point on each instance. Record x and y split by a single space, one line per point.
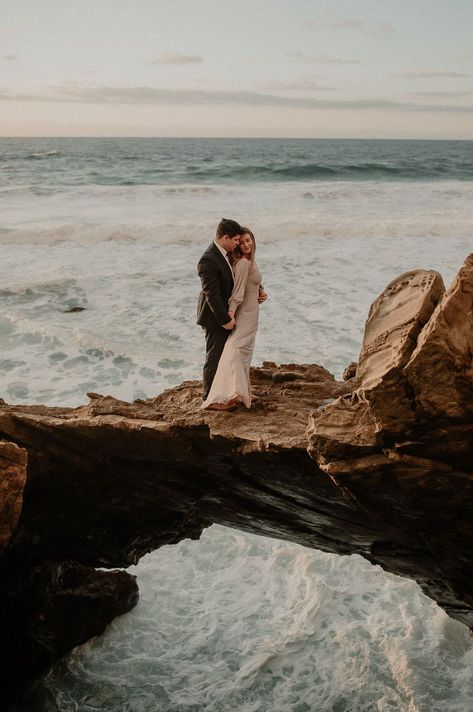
242 270
211 288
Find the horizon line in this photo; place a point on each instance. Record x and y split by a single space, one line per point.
245 138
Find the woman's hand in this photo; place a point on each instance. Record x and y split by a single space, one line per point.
262 296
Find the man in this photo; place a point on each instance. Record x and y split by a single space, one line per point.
216 275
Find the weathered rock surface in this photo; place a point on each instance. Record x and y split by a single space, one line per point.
155 471
394 323
440 370
401 445
12 480
385 470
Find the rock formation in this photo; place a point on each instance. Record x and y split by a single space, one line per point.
12 481
380 465
401 445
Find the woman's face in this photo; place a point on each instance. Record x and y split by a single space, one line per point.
246 244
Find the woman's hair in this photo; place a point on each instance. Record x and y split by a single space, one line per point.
237 254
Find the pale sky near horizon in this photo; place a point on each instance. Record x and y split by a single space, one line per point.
282 68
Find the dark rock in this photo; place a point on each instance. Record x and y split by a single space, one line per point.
50 608
350 371
13 461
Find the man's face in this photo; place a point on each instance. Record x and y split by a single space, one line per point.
229 243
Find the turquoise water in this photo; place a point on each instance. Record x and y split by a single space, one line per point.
153 161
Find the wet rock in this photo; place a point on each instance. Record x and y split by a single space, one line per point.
49 608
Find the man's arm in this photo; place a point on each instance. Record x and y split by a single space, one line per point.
208 274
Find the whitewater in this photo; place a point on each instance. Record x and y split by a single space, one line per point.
112 230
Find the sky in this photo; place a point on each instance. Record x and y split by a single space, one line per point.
275 68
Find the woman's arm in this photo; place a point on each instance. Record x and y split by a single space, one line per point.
242 270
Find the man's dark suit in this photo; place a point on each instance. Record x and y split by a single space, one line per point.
212 309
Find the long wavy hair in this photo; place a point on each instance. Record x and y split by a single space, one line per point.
237 254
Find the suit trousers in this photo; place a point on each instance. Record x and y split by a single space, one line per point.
214 344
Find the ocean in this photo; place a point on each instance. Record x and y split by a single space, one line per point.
99 241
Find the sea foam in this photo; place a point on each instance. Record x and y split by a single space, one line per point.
239 622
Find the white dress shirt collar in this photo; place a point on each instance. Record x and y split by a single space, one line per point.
224 253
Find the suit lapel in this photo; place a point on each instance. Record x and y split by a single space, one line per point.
221 259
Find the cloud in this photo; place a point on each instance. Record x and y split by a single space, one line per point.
432 75
356 25
177 58
383 28
325 59
309 23
321 59
8 57
440 94
6 96
197 97
349 23
303 85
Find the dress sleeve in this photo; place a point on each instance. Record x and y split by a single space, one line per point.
242 270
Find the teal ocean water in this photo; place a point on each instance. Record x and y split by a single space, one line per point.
147 161
116 226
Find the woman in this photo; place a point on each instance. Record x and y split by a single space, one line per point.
231 384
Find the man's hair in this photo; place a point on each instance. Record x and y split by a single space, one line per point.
228 227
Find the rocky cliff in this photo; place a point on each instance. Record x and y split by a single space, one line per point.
380 465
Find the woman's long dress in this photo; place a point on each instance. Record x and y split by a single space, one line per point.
232 379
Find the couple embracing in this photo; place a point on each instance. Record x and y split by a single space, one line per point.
228 310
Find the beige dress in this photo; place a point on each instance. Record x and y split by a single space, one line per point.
232 379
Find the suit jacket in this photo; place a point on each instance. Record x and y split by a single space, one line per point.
217 285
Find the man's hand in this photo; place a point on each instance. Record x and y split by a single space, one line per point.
262 296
